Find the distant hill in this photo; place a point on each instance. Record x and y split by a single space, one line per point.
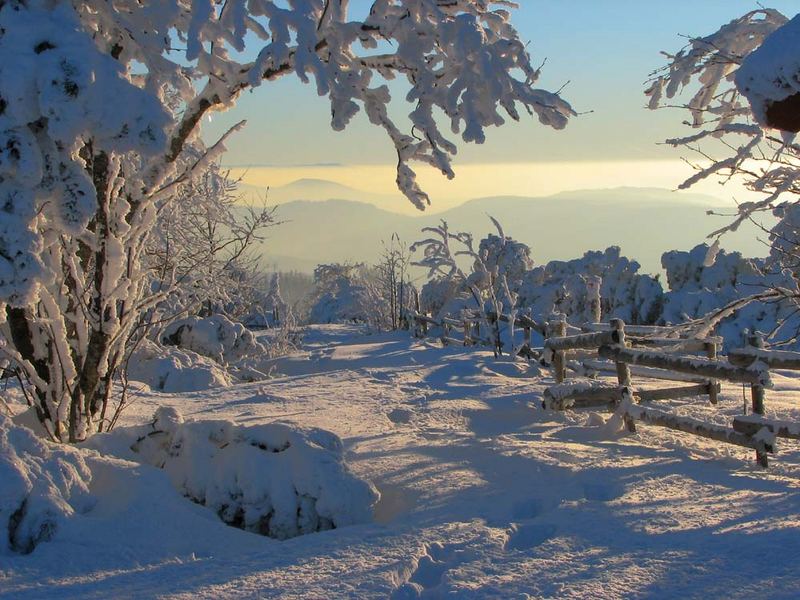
319 190
643 222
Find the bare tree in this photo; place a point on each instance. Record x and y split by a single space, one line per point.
392 280
202 250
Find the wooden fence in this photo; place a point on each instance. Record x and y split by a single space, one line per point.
647 352
469 330
749 366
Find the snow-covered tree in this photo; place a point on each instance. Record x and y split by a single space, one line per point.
568 287
343 293
274 301
738 80
201 250
746 108
486 288
100 100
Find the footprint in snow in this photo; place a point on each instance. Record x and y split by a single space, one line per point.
400 416
602 492
530 535
429 571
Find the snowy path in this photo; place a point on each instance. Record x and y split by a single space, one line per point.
484 495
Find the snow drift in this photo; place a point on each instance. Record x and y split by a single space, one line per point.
274 479
42 484
170 369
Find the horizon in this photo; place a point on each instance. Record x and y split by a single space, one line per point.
523 180
606 145
349 228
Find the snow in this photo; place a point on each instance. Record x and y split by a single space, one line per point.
271 479
42 486
769 74
483 493
170 369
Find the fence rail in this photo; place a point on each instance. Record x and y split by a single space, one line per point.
662 358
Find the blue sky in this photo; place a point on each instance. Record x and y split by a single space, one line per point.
605 49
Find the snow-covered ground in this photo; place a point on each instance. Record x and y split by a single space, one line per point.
483 494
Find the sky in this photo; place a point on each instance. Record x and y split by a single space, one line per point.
601 51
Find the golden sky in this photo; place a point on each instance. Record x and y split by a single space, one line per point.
476 180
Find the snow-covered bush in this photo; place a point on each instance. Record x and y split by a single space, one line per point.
689 271
343 293
275 479
699 287
230 344
487 284
41 484
171 369
561 286
445 296
216 337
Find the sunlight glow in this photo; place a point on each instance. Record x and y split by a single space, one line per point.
486 180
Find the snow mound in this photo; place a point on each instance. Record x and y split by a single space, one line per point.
170 369
275 479
41 484
216 337
229 344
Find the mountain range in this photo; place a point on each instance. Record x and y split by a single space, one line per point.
327 222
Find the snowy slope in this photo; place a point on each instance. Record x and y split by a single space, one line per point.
484 495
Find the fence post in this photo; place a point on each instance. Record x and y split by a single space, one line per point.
623 370
557 327
467 327
711 353
756 340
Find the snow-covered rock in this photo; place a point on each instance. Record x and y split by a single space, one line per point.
41 484
171 369
276 479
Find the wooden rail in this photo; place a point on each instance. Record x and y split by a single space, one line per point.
655 358
470 328
690 365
